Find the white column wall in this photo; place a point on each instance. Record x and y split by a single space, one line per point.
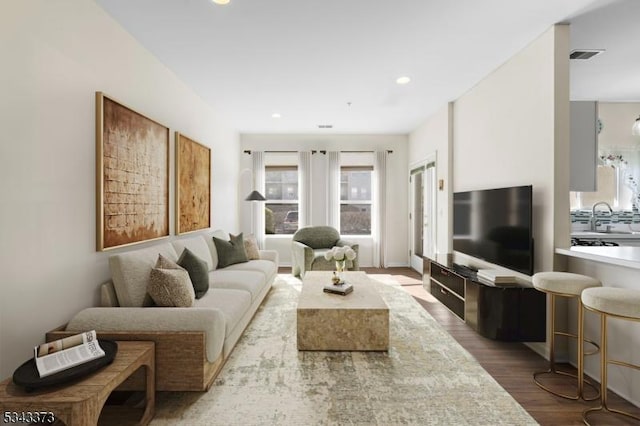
512 129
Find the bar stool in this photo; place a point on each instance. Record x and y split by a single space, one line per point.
565 284
618 303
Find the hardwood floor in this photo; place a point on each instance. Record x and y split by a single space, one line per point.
510 364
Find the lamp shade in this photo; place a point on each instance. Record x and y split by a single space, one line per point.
255 196
635 130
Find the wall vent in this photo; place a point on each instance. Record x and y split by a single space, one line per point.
325 126
584 53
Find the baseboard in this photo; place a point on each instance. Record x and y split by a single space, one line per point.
540 348
389 265
397 265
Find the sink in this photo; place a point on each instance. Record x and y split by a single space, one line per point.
613 232
601 234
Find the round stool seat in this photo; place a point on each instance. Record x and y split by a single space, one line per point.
614 301
563 282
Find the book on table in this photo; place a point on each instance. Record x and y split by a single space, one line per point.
342 288
62 354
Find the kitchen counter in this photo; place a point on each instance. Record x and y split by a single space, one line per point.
622 256
606 235
615 267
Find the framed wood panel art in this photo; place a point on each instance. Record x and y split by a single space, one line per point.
193 185
132 176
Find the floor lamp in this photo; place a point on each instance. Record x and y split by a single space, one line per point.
254 196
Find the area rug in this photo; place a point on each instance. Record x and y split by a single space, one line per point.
425 378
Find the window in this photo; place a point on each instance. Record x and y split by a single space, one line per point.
355 200
614 187
281 192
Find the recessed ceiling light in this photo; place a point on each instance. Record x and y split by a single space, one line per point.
275 115
403 80
221 1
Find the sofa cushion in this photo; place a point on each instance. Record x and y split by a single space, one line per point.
233 303
251 281
131 272
230 252
198 246
108 298
169 285
266 267
198 271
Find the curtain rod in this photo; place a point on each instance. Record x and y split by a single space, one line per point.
323 151
389 151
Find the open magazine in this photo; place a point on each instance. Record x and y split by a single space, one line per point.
66 353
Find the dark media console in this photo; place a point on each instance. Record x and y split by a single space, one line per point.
511 313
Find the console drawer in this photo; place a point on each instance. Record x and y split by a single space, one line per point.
448 279
450 300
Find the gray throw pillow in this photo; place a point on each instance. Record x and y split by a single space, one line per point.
170 285
198 271
230 252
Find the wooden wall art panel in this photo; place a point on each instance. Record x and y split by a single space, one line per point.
132 176
193 185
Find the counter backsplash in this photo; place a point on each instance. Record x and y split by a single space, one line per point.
580 219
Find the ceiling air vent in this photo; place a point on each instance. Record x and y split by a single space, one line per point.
584 53
325 126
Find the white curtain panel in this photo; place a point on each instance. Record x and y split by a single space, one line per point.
258 206
304 188
379 215
333 189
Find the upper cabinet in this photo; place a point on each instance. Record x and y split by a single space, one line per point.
584 145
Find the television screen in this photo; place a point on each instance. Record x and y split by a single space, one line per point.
495 225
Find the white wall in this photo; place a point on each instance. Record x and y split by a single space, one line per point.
512 129
435 136
617 119
397 187
55 56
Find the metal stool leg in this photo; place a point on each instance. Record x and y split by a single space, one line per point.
552 361
604 363
581 354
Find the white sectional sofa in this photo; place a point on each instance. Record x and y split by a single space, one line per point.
191 343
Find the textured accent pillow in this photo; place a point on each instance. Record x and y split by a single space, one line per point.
251 247
198 271
230 252
170 285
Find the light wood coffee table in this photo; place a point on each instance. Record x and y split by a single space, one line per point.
358 321
81 402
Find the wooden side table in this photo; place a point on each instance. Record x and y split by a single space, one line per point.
81 402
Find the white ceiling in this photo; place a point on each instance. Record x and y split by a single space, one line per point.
307 59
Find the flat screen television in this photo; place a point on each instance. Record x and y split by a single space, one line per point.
495 225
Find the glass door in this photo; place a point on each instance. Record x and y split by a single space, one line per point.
429 212
422 214
416 217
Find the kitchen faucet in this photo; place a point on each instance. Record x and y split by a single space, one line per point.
593 223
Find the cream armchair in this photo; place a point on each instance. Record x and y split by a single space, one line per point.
309 246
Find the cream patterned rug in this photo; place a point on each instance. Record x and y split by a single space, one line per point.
425 378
